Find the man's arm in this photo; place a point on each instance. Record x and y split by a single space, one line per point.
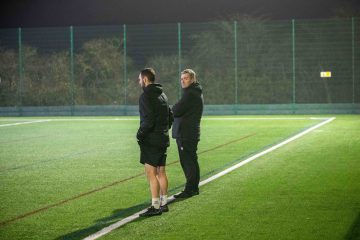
171 117
149 118
184 104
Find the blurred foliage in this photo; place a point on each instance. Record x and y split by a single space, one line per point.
264 65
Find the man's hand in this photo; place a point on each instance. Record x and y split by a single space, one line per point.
140 136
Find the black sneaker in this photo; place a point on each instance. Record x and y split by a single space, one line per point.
151 211
186 194
164 208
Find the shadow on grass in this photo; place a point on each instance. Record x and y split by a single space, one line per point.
354 231
117 215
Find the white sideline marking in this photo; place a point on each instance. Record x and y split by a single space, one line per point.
270 118
126 220
137 119
95 119
264 152
20 123
75 119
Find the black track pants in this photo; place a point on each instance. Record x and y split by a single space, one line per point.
189 163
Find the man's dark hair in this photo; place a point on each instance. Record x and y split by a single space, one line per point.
149 73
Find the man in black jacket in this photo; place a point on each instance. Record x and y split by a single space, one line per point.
186 130
153 138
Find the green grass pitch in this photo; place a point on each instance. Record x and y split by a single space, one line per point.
67 178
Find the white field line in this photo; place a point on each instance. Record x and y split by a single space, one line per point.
76 119
137 119
267 118
21 123
126 220
95 119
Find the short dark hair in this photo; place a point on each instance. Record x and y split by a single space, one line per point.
149 73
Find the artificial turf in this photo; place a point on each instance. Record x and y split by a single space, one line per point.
84 175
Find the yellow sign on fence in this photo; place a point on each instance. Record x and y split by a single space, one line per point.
325 74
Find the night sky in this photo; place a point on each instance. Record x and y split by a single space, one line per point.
41 13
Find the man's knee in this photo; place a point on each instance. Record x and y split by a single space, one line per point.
150 170
161 172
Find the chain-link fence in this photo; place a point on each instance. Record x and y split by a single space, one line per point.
247 61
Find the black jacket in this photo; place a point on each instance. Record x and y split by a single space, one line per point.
155 117
187 113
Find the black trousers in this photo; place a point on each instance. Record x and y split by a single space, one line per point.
189 163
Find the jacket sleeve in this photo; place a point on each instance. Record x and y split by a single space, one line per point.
184 104
149 118
171 117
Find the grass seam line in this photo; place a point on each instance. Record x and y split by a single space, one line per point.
67 200
24 215
133 217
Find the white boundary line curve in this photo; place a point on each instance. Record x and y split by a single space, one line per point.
131 218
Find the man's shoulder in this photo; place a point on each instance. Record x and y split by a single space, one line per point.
193 93
195 89
145 96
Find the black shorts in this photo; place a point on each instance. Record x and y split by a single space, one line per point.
152 155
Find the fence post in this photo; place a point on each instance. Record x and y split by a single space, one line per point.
125 68
353 60
179 59
293 67
236 63
21 73
72 71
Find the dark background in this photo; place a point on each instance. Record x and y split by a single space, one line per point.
41 13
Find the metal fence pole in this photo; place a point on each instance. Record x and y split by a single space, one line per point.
293 66
179 59
72 70
21 73
236 62
125 65
353 59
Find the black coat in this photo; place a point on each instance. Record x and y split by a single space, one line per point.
187 113
155 117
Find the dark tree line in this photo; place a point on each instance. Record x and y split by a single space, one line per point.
267 54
